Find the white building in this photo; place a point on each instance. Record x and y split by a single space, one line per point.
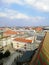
19 43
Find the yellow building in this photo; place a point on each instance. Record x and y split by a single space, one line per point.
43 56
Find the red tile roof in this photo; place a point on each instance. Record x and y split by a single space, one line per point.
23 40
10 32
39 29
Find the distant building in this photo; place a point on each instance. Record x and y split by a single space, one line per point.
46 29
39 29
9 33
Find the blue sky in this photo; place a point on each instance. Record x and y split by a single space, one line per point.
24 12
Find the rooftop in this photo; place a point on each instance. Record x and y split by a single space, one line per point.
23 40
10 32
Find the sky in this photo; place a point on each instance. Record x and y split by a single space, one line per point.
24 13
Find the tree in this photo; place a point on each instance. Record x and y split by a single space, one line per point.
7 53
1 55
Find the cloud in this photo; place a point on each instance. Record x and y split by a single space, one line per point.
42 5
13 14
2 14
39 4
22 22
13 1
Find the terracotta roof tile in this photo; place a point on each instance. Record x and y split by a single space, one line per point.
23 40
10 32
39 29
